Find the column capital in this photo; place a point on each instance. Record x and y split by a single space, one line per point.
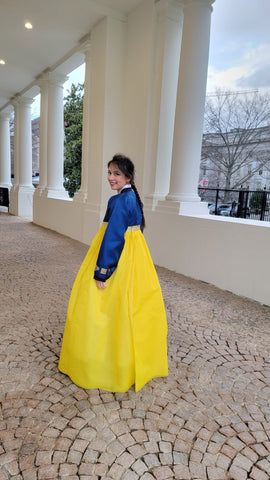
27 101
207 3
170 8
56 78
85 45
86 51
5 115
20 100
43 80
15 101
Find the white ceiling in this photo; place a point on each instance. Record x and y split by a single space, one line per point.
58 27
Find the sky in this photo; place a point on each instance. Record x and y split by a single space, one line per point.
239 55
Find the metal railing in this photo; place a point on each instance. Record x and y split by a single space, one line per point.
4 197
243 203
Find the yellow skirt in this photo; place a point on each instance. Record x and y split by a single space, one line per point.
117 337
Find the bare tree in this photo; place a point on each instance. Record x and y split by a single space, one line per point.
236 129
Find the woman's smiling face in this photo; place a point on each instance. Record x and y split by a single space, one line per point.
116 178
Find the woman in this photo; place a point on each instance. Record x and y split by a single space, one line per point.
115 333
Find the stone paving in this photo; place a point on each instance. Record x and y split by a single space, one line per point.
209 420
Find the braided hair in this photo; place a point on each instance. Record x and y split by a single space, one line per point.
128 169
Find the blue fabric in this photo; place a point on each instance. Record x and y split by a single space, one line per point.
123 211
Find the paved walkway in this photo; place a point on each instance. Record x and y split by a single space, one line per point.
209 420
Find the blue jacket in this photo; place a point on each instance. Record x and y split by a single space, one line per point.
123 211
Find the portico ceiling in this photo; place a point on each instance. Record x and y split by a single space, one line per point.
58 28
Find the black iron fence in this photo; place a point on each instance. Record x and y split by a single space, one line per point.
243 203
4 197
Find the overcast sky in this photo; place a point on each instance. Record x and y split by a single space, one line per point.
239 57
240 45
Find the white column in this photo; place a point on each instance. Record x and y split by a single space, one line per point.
189 116
21 195
106 117
26 189
81 195
43 84
13 207
16 143
169 25
55 135
25 143
5 160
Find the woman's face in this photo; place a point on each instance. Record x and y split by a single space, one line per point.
116 178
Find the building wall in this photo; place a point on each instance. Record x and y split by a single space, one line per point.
232 254
261 177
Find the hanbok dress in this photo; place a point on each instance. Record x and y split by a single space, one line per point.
116 337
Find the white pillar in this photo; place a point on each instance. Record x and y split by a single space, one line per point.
189 116
43 84
5 160
106 111
55 135
26 189
169 25
13 206
21 194
16 143
25 143
81 195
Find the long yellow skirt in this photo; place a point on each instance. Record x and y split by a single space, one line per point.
117 337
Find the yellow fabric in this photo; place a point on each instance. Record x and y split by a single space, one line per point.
133 228
116 337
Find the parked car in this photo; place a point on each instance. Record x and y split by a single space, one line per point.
225 210
211 208
222 209
228 210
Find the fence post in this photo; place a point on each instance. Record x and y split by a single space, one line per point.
217 195
240 202
264 198
4 197
246 195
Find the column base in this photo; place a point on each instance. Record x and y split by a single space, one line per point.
13 200
80 196
39 191
60 193
183 197
150 201
183 207
21 200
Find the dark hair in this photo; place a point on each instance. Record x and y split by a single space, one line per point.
128 169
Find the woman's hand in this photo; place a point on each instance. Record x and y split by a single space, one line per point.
100 285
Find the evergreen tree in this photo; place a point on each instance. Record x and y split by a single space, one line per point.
73 118
256 200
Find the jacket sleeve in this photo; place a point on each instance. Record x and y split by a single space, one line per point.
113 240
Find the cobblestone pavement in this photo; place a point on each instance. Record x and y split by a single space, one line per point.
209 420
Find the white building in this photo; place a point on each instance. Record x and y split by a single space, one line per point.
145 81
254 173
